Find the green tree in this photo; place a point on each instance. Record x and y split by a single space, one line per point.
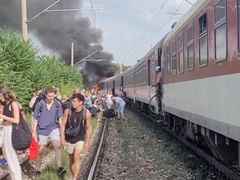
22 69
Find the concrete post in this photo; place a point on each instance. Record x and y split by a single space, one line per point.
24 20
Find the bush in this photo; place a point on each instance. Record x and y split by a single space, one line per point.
22 69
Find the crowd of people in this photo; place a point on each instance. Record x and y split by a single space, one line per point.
56 119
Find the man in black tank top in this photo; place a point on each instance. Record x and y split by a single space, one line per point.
75 132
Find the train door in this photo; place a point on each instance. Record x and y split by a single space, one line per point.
149 78
159 80
149 72
159 63
107 86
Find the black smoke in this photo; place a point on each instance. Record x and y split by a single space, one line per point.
57 30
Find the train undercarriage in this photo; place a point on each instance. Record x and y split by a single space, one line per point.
219 149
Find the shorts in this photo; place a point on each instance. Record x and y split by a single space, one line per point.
53 136
121 108
71 147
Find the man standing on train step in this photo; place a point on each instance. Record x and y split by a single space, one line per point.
75 132
46 119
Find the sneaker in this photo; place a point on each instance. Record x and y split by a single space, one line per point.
3 162
61 171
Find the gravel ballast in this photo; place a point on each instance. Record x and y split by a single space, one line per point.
137 149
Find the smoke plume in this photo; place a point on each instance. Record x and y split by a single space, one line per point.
57 30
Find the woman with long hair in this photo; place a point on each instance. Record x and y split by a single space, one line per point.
10 115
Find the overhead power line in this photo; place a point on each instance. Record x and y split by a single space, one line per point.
149 27
156 31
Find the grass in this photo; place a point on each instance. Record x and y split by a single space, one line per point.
50 173
28 118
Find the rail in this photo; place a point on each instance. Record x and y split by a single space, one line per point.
229 173
6 175
94 164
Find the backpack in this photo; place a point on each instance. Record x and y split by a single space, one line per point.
56 102
109 113
73 131
66 104
38 99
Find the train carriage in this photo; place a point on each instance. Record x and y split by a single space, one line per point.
128 84
200 60
118 84
202 74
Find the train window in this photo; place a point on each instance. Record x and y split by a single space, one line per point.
220 31
203 23
220 11
203 45
165 62
190 56
168 61
190 34
174 63
180 54
203 53
190 48
238 7
181 62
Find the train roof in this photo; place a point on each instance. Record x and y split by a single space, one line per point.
155 47
192 12
149 53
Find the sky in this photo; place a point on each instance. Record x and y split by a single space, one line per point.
131 27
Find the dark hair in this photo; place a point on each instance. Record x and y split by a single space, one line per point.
50 90
79 96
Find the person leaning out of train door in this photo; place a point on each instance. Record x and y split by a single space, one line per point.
120 106
158 82
75 132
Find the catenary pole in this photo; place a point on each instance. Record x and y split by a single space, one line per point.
72 54
24 20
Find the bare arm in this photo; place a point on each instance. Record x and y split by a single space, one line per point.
1 109
87 130
62 126
15 109
34 128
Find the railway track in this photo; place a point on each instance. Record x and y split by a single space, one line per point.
25 165
221 169
93 165
6 175
28 170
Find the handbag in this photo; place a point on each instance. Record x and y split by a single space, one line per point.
21 135
33 150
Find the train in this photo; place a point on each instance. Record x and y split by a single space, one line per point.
199 62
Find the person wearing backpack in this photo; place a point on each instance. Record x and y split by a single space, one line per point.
10 115
75 132
47 117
